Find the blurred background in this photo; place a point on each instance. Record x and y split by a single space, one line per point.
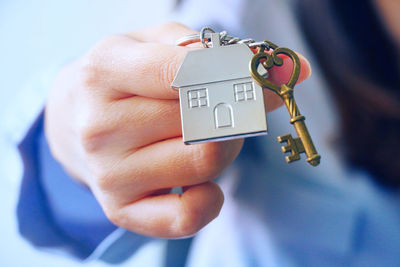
38 37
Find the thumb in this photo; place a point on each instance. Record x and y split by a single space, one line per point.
280 75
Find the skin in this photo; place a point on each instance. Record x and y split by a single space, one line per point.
389 11
113 122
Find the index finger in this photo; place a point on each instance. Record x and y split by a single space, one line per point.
131 67
120 67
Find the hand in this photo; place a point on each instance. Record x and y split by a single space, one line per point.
112 120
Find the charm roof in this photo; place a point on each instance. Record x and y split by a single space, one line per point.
213 65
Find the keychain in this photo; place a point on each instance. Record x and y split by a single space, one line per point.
221 92
219 100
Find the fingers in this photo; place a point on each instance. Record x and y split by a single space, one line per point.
145 120
119 62
120 67
148 120
171 215
132 192
164 164
130 123
125 66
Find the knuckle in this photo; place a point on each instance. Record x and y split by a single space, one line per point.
94 70
188 224
207 161
88 138
92 137
167 70
105 178
115 215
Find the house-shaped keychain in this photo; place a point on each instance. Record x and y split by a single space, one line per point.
218 98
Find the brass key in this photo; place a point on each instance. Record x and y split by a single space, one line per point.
303 143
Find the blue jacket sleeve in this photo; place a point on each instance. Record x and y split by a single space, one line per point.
53 210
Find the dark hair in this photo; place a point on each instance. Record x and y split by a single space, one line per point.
361 64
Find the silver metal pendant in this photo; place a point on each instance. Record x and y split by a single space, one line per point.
218 98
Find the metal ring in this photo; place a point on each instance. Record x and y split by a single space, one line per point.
246 41
195 38
202 35
205 37
187 40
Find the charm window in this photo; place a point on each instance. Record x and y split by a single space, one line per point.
198 98
244 91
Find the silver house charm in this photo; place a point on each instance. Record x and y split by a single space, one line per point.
218 98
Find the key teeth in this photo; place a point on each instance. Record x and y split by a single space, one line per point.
285 149
284 138
294 157
290 147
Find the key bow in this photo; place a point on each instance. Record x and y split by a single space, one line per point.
271 60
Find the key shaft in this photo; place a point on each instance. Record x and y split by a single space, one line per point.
286 93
